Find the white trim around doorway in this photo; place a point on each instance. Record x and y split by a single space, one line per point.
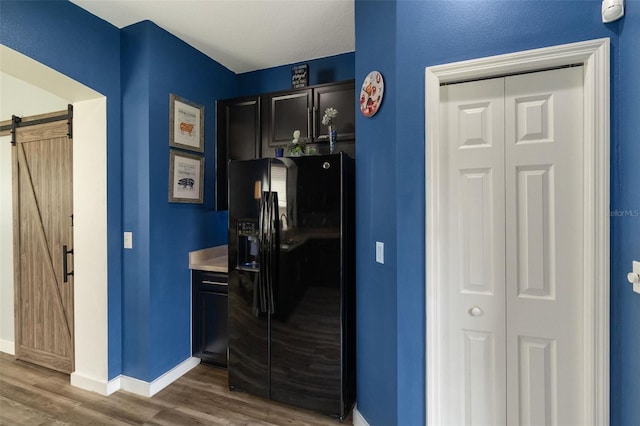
594 56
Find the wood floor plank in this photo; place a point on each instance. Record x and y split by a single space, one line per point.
46 402
32 395
15 413
170 417
83 415
27 373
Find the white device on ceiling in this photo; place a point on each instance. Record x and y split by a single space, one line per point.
612 10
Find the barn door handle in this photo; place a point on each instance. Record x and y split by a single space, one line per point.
65 267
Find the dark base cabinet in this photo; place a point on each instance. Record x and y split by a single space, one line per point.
210 317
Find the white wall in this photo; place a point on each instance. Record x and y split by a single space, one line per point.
39 89
90 244
21 99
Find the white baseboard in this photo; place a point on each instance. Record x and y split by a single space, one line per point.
133 385
358 418
147 389
93 385
7 347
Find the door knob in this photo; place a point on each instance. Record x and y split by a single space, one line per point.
476 311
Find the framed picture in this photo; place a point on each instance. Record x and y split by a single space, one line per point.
186 124
186 177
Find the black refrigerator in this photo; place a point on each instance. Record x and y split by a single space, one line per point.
292 280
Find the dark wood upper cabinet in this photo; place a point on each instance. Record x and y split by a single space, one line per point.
237 138
251 127
303 109
285 113
341 97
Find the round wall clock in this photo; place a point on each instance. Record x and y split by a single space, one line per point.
371 93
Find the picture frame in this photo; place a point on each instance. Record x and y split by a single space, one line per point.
186 177
186 124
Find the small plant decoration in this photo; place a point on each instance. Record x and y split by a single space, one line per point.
327 120
296 146
329 115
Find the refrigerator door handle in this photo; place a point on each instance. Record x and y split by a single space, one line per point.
267 250
274 247
262 306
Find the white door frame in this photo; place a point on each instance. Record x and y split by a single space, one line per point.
594 56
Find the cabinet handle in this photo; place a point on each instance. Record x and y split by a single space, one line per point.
308 123
213 282
315 110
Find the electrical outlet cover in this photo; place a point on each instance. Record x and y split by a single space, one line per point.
379 252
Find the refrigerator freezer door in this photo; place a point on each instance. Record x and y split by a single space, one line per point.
248 324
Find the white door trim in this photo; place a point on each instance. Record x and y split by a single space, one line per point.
594 56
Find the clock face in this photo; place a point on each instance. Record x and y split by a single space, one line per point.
371 93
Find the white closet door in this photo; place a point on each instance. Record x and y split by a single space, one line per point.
475 281
512 289
544 177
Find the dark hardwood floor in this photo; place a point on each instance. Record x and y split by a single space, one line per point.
32 395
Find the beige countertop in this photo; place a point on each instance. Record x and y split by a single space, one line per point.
209 259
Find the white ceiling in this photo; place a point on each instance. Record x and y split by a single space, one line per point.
244 35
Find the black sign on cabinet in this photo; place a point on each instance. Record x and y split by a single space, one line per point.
299 76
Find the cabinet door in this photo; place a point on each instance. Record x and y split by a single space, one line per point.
238 138
214 312
341 97
287 112
210 317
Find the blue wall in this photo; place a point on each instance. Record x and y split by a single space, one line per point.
323 70
625 226
156 272
464 30
377 220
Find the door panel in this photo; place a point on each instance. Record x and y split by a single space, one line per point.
537 378
43 208
474 119
534 186
288 112
475 186
340 97
514 247
544 247
237 138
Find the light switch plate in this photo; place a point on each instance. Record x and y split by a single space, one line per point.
128 240
636 270
379 252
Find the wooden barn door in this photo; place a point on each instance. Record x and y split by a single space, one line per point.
43 242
